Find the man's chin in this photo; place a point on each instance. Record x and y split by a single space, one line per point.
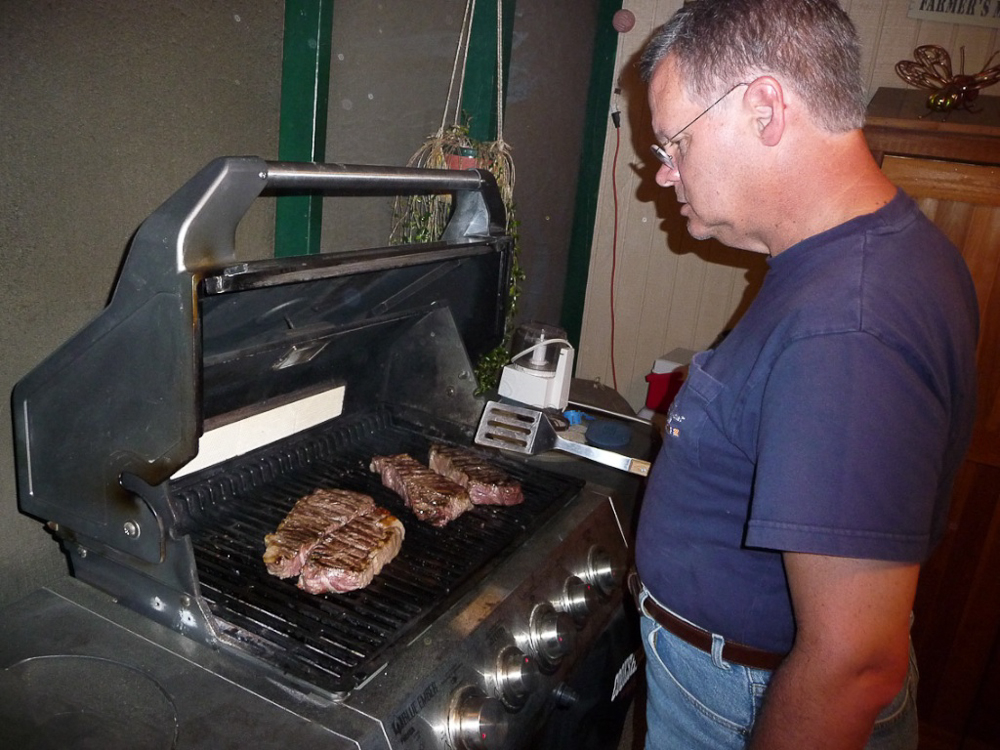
695 227
698 231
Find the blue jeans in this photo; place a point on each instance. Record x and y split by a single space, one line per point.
698 701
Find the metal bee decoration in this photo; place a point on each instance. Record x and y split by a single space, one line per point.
931 69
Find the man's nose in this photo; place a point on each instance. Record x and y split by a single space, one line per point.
667 176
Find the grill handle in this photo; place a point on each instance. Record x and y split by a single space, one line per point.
479 209
282 175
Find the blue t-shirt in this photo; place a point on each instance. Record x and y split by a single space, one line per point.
831 420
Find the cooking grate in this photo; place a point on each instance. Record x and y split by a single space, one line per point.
335 641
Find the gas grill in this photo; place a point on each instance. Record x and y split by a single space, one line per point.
334 643
163 441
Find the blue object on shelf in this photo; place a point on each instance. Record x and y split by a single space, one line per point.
576 417
605 433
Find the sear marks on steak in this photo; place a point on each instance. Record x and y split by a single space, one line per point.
312 517
432 497
486 483
349 557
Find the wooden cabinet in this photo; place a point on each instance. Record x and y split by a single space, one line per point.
951 166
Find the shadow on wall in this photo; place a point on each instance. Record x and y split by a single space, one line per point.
674 226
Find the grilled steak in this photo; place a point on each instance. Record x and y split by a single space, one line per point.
348 557
432 497
486 484
312 517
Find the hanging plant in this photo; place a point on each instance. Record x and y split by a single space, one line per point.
490 365
422 218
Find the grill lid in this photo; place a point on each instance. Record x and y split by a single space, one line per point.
272 329
191 336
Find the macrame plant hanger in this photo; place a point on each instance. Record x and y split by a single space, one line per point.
422 218
495 156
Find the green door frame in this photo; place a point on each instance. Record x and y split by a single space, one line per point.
479 91
305 94
305 91
602 75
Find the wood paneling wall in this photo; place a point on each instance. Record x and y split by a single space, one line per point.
957 628
671 291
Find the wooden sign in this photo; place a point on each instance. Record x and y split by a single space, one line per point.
967 12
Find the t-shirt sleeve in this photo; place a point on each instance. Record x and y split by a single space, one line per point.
849 452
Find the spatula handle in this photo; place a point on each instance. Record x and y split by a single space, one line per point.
601 456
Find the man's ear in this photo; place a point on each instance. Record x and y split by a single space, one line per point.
767 100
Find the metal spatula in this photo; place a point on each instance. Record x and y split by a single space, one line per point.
525 430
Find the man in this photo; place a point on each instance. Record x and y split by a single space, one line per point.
809 458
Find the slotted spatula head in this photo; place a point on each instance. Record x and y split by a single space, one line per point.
524 430
515 428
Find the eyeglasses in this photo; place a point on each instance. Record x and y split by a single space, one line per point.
661 153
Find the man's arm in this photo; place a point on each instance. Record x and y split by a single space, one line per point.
850 656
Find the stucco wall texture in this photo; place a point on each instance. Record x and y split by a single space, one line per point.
106 107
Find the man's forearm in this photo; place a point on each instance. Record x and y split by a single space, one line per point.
811 705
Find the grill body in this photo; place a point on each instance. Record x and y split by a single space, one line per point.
474 629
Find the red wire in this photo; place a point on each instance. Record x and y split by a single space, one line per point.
614 253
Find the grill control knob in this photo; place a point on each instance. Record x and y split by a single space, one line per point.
603 571
517 676
551 634
476 721
579 597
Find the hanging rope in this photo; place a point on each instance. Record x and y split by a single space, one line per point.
422 218
462 51
500 70
496 156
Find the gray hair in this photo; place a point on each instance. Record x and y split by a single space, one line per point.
809 45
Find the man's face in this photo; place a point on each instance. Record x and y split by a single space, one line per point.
706 168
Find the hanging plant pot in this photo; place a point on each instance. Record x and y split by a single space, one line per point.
461 158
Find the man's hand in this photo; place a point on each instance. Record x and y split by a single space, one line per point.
850 656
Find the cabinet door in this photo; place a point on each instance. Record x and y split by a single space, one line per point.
964 200
958 602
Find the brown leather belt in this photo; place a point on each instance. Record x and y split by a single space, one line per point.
735 653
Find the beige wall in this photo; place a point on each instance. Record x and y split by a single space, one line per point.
671 291
106 107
